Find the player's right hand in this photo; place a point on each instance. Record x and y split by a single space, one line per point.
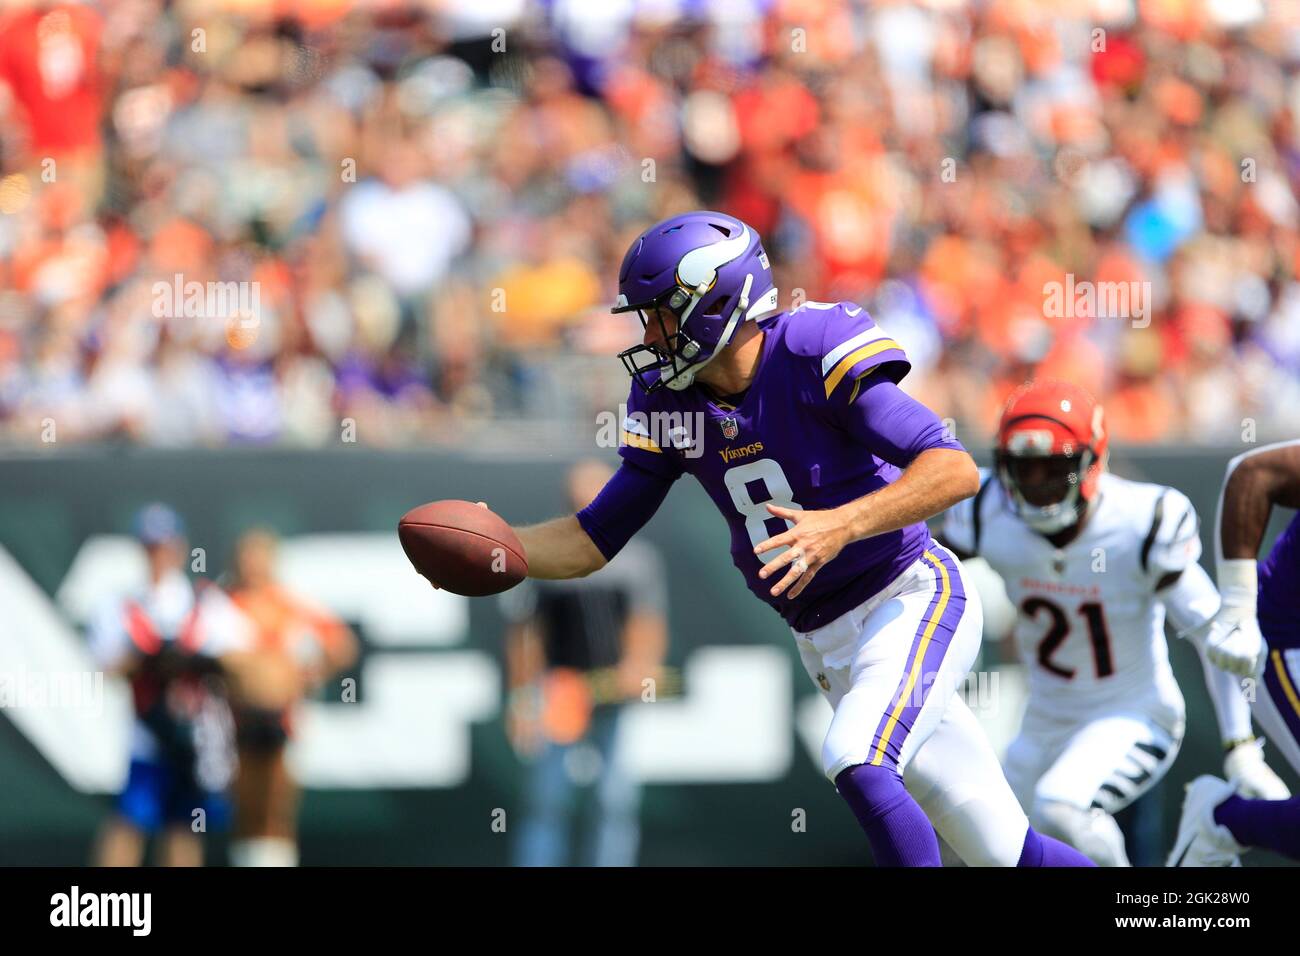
1233 642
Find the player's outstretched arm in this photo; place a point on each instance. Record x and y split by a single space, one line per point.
558 549
580 544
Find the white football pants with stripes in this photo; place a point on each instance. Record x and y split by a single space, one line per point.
891 669
1073 775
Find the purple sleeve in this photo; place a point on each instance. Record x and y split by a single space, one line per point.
622 508
895 426
638 441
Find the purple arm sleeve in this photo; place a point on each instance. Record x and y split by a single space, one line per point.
622 508
894 425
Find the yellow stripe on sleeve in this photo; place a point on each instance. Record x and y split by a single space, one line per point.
639 441
853 358
857 383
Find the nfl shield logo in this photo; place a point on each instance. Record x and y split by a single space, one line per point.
730 428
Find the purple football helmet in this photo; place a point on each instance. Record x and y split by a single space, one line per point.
711 271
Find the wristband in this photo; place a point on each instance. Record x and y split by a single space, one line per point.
1238 582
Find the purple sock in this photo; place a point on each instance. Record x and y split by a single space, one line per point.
1042 850
1268 824
896 827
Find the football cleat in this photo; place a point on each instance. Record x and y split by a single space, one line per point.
1201 841
710 271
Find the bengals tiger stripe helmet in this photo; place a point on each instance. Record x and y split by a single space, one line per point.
1051 452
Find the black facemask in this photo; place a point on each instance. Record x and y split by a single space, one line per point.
654 366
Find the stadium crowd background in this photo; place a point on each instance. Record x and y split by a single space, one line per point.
434 224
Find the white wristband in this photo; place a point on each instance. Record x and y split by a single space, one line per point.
1238 582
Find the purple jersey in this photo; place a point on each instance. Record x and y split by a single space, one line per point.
803 436
1279 589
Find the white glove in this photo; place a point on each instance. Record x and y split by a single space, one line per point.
1245 765
1232 642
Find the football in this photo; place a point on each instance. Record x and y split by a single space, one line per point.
462 547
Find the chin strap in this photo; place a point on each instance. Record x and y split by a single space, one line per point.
686 378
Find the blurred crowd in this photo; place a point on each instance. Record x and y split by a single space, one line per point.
429 201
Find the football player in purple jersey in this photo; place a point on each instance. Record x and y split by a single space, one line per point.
1257 627
825 471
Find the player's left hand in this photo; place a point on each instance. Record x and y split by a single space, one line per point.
1245 765
816 538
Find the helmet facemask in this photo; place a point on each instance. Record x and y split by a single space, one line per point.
677 358
671 356
1046 490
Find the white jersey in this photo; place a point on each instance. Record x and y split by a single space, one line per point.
1089 625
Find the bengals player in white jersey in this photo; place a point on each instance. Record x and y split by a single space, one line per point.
1094 563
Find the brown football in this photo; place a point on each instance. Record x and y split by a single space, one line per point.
463 548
